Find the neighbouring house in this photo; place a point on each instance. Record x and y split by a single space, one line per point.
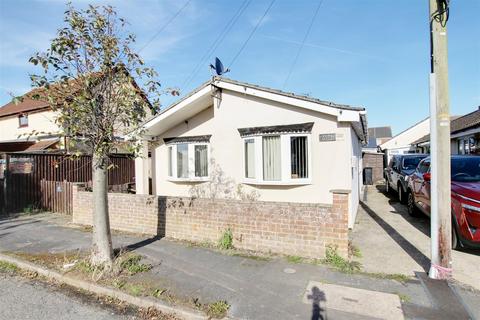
402 142
372 158
377 136
464 135
28 126
282 172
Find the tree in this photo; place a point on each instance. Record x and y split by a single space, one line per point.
90 76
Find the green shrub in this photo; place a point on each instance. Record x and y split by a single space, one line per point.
218 309
28 209
8 267
226 240
85 266
353 251
295 259
333 259
132 264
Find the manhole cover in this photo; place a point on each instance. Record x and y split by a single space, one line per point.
289 270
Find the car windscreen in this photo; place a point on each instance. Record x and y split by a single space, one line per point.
466 169
411 163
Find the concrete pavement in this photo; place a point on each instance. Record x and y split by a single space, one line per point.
255 289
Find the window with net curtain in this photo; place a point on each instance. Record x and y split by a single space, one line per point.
179 157
182 160
272 158
250 158
272 161
201 161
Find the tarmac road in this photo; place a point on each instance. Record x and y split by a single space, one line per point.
24 299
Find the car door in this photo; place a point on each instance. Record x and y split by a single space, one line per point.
396 172
426 194
418 183
389 170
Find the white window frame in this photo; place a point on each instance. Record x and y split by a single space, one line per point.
286 168
191 162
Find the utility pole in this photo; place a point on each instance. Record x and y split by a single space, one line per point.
440 216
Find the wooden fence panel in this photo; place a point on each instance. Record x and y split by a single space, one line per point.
56 196
26 172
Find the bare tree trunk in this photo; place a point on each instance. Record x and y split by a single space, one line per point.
102 252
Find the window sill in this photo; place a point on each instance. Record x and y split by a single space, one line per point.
202 179
300 182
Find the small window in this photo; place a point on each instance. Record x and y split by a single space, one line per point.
201 161
250 158
182 160
272 165
23 120
188 161
299 156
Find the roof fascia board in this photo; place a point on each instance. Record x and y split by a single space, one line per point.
465 133
32 111
385 145
342 115
179 106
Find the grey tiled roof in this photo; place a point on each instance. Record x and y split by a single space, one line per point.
291 94
380 132
465 122
458 124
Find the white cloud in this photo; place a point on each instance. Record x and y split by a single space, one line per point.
313 45
20 42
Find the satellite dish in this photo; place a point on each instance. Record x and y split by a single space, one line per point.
218 67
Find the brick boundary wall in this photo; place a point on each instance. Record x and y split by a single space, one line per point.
302 229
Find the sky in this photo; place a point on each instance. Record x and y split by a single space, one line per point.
369 53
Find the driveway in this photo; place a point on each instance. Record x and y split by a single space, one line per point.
393 242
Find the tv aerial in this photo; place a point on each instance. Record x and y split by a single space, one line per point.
218 68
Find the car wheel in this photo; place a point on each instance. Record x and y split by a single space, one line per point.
401 194
455 244
387 186
412 208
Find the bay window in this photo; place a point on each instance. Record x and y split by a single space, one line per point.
188 158
277 154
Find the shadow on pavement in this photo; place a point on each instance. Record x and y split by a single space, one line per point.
421 223
18 225
138 245
409 248
317 296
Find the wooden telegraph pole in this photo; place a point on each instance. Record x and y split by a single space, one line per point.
441 223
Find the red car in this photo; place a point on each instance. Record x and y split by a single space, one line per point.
465 197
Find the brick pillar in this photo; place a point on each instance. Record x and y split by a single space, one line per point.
76 201
340 210
141 170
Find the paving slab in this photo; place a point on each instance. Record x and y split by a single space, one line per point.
373 304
